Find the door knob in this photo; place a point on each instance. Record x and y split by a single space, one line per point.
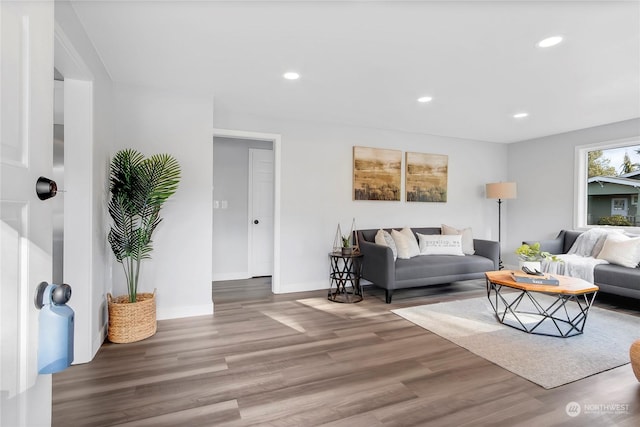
46 188
255 221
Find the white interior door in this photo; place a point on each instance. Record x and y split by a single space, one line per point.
260 212
26 134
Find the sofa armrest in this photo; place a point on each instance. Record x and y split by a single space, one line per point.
553 246
488 249
377 264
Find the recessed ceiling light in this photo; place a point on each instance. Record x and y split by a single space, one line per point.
550 41
291 75
520 115
424 99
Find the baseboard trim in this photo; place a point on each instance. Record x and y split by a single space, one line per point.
99 340
186 311
220 277
304 287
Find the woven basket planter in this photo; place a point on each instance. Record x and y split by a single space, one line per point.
634 354
131 322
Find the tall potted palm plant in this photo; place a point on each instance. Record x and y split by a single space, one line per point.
139 187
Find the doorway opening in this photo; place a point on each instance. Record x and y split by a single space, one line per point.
245 207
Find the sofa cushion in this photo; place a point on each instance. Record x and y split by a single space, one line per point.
440 245
618 276
621 250
384 238
467 237
441 266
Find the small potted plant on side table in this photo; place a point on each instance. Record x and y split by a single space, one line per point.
346 245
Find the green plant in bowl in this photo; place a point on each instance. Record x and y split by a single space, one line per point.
532 253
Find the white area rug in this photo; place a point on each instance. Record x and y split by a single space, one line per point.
547 361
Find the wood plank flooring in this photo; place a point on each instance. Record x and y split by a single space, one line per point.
300 360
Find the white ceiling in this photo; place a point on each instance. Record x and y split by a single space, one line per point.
366 63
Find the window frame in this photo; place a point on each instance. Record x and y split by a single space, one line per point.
580 179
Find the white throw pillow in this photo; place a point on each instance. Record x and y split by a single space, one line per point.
414 250
438 244
621 250
384 238
402 244
467 237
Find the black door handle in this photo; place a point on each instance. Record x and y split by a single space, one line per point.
46 188
255 221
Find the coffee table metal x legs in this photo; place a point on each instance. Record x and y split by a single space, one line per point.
558 315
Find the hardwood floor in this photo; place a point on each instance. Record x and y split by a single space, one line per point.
300 360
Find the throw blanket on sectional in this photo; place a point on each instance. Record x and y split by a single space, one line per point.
581 259
589 243
573 265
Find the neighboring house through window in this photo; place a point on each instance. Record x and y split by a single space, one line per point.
608 184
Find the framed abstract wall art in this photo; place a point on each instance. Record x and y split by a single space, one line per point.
426 177
377 174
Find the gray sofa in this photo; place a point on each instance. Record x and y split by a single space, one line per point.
611 278
380 269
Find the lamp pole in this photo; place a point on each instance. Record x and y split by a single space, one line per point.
500 191
500 265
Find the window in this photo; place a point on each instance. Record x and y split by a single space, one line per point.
608 184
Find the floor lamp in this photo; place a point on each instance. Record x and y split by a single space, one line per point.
500 191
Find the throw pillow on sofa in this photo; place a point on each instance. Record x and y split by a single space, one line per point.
467 237
590 242
405 248
621 250
384 238
402 244
414 250
438 244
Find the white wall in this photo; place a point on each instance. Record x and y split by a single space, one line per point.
88 137
316 191
231 224
156 121
544 171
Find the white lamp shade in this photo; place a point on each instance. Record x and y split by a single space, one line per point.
501 190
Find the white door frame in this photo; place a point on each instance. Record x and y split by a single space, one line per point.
276 141
78 199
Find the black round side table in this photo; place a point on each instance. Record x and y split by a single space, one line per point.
345 277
